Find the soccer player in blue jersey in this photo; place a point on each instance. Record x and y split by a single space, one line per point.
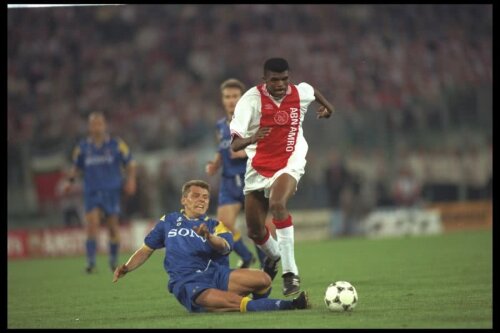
196 260
108 168
233 165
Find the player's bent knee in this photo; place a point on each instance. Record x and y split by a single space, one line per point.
114 233
256 235
264 280
278 208
92 230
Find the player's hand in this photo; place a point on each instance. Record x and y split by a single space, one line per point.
67 187
202 230
210 168
323 112
130 187
261 133
120 271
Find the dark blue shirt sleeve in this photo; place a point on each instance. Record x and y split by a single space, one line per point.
155 239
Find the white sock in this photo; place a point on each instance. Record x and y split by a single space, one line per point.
286 246
271 248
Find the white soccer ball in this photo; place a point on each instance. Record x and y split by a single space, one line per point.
341 296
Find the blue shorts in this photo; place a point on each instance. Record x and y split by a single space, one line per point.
107 200
231 190
187 289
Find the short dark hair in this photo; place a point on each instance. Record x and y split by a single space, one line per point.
278 65
196 182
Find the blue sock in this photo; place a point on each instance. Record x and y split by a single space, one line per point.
262 256
113 253
262 295
268 304
241 249
91 249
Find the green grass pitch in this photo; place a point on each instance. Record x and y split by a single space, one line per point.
443 281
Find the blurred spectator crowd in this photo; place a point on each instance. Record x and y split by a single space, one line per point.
155 70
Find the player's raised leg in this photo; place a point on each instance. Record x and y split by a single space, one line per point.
281 191
256 209
93 219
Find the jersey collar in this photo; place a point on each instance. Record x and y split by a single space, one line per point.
106 140
203 217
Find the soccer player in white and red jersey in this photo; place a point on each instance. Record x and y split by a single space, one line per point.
267 123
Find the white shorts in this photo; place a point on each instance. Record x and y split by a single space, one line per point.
256 182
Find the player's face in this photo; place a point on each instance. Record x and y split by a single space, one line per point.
230 97
196 201
97 126
276 83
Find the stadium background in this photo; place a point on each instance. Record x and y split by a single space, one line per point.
412 86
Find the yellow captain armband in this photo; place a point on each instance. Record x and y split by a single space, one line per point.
123 147
220 228
236 236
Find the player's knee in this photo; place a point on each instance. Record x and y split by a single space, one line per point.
253 235
114 231
256 234
264 281
114 238
278 209
92 230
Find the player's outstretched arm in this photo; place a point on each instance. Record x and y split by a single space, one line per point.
137 259
326 109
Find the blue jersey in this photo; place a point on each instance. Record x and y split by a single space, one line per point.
102 166
185 251
230 166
